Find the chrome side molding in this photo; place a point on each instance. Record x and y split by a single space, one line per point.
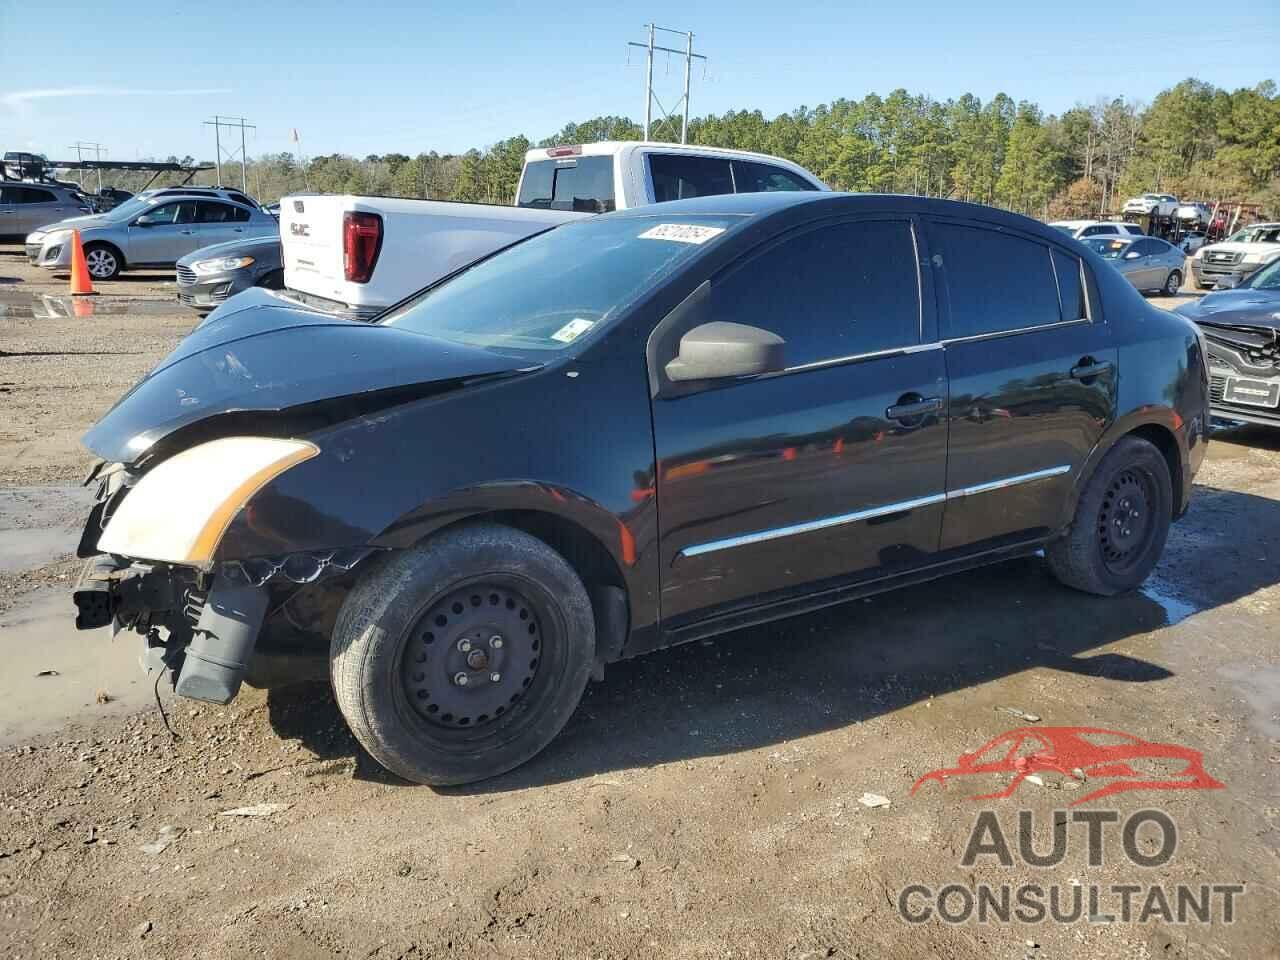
872 513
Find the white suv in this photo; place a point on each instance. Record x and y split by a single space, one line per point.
1159 204
1079 229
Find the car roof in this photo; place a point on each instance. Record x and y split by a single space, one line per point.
834 204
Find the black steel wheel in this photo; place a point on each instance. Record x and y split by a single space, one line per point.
462 658
1121 522
472 655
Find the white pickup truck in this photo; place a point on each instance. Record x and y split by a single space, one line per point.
358 255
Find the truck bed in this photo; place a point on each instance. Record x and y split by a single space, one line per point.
422 240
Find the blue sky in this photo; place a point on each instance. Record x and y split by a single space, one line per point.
374 77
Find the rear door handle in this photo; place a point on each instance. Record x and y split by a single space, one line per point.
1084 371
916 408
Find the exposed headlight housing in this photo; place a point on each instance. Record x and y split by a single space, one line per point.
178 512
1252 258
221 265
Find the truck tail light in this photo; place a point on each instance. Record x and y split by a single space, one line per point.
361 244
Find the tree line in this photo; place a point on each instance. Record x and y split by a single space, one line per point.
1193 140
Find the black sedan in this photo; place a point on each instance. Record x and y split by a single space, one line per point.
211 275
628 432
1242 325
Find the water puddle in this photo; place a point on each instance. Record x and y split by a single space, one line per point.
43 306
1175 608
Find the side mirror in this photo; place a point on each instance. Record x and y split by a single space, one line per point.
1227 283
144 222
1132 255
717 350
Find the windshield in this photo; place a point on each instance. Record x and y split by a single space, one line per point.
1268 278
544 293
1108 249
130 208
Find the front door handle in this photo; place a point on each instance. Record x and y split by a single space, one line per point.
1088 368
911 409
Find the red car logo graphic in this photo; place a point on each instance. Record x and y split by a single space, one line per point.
1093 751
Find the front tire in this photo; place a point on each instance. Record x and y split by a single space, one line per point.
1121 523
104 261
1173 284
462 658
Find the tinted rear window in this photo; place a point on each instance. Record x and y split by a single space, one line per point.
993 281
1070 289
679 177
752 177
584 184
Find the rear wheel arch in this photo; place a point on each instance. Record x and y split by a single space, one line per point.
1158 433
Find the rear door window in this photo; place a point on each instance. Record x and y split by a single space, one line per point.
993 282
836 291
679 176
752 177
584 184
1070 285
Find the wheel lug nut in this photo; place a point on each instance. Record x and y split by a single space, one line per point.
460 678
495 642
495 677
464 645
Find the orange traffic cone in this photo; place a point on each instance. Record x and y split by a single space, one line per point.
81 285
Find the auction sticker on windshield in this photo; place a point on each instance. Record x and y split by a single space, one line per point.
682 232
572 330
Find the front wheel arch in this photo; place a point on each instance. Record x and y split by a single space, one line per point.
112 249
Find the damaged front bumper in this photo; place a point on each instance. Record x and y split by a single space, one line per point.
204 635
201 626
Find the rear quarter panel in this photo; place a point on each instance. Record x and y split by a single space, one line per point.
1163 380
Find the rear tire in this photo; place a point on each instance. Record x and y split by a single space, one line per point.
1173 284
416 670
103 260
1121 523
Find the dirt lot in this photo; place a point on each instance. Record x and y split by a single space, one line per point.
703 802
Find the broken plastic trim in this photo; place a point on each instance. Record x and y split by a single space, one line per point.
308 566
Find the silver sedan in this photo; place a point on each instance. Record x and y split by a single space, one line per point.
1147 262
152 232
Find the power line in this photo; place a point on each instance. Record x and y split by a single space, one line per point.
649 97
98 150
231 123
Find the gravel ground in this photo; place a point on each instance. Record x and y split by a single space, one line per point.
707 801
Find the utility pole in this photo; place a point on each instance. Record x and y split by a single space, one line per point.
231 123
98 151
649 96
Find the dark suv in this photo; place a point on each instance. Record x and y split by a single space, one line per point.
628 432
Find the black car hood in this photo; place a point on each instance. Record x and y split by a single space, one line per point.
1242 306
274 358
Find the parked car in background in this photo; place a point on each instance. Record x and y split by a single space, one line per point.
743 407
1097 228
1148 263
1193 216
210 275
356 256
1192 242
25 206
147 232
108 198
1242 326
1237 256
1157 204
